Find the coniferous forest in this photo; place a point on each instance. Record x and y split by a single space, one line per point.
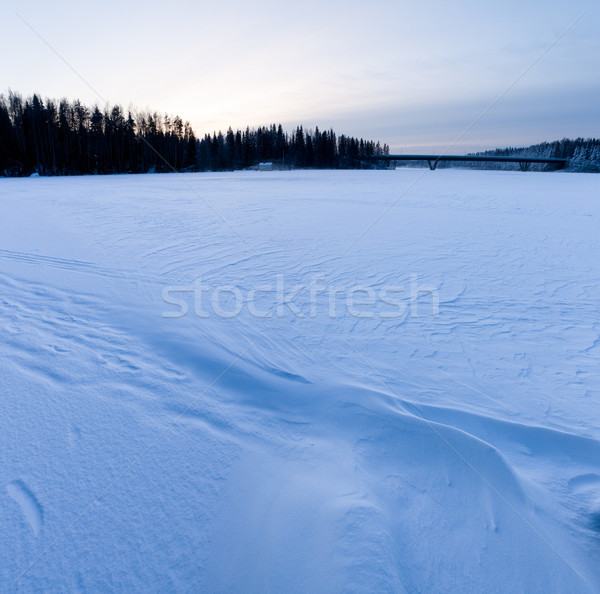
583 154
68 138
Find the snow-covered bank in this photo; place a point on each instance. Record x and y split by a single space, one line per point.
376 447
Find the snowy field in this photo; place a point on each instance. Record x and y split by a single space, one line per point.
384 381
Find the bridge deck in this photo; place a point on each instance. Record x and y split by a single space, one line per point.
433 160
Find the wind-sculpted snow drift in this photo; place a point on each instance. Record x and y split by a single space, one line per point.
300 382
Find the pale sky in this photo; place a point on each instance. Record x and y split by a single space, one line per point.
416 75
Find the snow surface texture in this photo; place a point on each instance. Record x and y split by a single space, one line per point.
457 452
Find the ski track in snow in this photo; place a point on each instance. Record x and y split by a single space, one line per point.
457 452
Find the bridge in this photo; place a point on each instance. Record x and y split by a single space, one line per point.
433 160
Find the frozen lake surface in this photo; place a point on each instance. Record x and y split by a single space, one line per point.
383 381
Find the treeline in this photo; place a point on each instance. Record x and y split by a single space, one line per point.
302 148
68 138
63 138
583 154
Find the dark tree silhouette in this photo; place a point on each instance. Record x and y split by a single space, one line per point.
69 138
